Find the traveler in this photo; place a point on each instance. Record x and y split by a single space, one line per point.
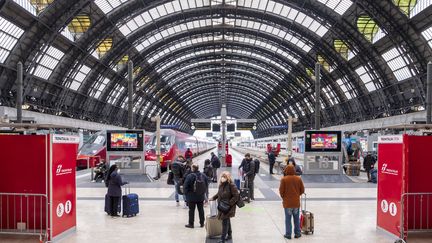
178 169
248 166
290 189
215 163
114 183
272 161
227 194
368 164
291 161
188 154
195 188
208 171
100 171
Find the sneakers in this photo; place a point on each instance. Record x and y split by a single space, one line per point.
287 237
177 204
297 236
93 181
185 206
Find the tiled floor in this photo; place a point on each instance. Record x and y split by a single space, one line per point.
343 213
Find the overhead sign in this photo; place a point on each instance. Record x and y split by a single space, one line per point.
280 127
237 134
246 124
200 124
209 134
390 139
169 126
216 127
231 127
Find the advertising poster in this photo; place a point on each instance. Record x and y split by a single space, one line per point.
64 152
390 183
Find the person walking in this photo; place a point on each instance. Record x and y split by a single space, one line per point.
188 154
248 167
178 169
368 164
195 188
227 194
290 189
272 161
114 183
215 163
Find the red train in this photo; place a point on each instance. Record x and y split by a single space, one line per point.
174 143
93 151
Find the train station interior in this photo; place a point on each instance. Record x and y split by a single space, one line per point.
109 104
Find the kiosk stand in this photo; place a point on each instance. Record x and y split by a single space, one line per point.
38 196
404 201
322 152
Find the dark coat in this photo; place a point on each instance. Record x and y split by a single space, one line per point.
192 196
369 162
251 163
271 157
227 192
215 162
114 185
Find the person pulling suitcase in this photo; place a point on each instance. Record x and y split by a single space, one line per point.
249 168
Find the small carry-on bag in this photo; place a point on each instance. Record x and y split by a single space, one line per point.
306 218
244 191
237 183
130 203
108 205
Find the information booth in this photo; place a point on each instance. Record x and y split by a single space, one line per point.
38 189
126 149
404 200
323 152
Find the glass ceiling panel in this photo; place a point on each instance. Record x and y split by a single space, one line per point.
427 34
339 6
9 35
366 78
47 63
238 22
79 77
419 7
399 63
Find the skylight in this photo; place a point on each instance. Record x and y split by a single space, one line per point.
46 63
9 35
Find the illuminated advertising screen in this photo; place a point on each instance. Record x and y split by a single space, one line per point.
323 141
125 140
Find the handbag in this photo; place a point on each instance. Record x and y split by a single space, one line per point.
240 203
170 180
224 206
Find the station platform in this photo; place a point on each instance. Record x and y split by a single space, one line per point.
344 212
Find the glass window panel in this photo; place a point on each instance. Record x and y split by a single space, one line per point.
9 35
399 62
420 6
47 63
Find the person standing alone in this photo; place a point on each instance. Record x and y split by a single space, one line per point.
114 183
272 161
290 189
215 163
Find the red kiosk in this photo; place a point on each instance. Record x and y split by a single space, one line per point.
38 193
404 201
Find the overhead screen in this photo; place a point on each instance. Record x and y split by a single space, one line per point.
237 134
209 134
125 140
216 127
231 127
323 141
246 125
202 125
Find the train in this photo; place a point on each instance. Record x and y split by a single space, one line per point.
93 150
174 143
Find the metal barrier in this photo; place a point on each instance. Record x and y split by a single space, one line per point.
24 214
158 171
415 215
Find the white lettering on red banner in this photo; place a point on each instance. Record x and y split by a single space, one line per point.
386 170
390 139
60 171
65 139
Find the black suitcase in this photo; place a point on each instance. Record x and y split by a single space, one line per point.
108 205
245 192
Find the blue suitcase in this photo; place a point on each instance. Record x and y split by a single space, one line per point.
108 205
237 183
130 204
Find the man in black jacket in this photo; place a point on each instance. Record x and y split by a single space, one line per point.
178 169
368 164
272 160
215 163
248 165
195 188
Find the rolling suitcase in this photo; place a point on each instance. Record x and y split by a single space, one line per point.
130 204
108 205
306 219
213 226
244 191
237 183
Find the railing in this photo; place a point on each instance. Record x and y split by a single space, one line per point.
416 214
24 214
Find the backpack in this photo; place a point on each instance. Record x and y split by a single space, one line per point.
177 169
199 185
246 166
257 166
216 162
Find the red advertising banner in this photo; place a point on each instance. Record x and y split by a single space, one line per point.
390 182
64 150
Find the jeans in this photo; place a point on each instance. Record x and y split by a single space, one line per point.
249 180
295 212
226 228
200 206
214 174
114 205
177 187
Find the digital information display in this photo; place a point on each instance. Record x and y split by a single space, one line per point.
323 141
125 140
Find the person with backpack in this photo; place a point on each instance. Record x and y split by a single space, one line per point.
178 170
114 183
272 161
368 164
248 165
215 163
195 188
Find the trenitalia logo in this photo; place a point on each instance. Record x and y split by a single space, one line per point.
388 171
61 171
